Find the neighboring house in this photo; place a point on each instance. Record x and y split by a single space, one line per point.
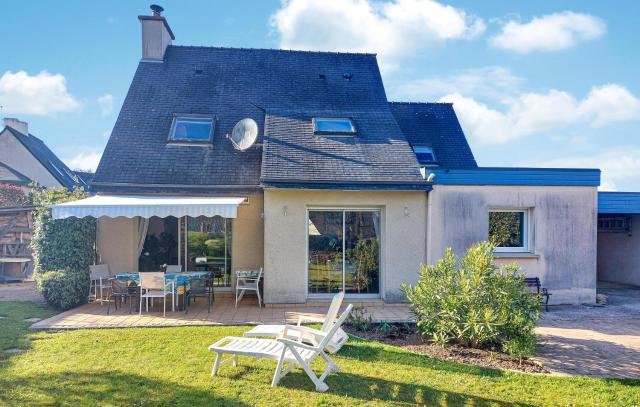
342 189
28 155
25 159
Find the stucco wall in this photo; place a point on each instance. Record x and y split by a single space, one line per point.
248 235
619 255
117 244
562 225
16 155
285 243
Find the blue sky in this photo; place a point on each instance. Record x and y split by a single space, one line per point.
534 83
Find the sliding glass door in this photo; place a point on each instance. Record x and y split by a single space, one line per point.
344 252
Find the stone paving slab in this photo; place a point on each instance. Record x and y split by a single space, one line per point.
593 341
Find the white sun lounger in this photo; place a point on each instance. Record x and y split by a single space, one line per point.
334 345
285 351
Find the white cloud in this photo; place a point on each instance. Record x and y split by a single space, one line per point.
530 113
617 166
392 29
551 32
494 82
85 160
106 104
43 94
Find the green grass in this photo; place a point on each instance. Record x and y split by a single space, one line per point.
171 366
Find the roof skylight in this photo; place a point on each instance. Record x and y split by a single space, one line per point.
333 126
424 154
192 129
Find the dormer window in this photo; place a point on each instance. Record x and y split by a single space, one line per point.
192 129
425 155
333 126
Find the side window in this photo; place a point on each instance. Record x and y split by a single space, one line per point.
509 229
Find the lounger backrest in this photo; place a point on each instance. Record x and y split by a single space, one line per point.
335 326
174 268
152 280
99 271
332 314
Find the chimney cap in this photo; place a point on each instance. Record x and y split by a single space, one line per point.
156 9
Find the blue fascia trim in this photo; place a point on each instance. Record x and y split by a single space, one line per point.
348 187
619 202
516 176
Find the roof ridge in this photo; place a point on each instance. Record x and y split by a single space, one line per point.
274 50
420 103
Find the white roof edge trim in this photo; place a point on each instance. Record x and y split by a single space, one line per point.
129 206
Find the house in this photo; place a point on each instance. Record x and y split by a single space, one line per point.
341 190
25 159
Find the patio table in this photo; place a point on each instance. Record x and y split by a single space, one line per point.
179 279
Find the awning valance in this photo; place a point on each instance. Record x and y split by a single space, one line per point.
113 206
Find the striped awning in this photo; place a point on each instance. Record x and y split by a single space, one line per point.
129 206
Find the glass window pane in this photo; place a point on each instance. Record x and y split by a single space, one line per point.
340 126
209 247
362 252
325 252
424 154
506 229
192 130
160 245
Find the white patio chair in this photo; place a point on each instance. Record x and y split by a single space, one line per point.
248 281
153 285
334 345
99 282
284 350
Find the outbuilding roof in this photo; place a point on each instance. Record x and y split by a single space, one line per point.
619 202
10 175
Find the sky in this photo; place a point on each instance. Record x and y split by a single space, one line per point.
534 83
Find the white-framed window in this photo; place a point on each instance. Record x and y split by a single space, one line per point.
509 229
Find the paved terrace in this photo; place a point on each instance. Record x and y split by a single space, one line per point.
223 312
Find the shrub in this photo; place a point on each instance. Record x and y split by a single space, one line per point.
475 303
359 319
63 249
12 196
64 289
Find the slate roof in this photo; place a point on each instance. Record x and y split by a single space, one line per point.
12 176
437 125
48 159
279 89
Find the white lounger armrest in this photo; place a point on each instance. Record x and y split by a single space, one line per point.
296 344
317 334
309 318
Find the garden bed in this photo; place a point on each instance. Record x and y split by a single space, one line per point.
407 338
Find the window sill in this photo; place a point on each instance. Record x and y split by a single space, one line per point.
515 255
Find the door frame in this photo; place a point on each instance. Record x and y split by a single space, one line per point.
344 209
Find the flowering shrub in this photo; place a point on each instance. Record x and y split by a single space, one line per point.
12 196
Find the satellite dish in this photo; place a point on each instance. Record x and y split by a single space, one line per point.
244 134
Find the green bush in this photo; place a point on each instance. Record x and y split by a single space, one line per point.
62 249
474 303
64 289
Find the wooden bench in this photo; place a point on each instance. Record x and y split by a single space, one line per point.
535 282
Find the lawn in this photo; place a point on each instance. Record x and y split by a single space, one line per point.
171 366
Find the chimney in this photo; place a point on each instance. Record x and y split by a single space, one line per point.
156 35
22 127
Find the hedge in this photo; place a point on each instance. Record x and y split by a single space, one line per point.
63 249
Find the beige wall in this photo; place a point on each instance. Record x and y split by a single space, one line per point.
16 155
619 255
117 244
285 242
562 225
248 235
117 239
